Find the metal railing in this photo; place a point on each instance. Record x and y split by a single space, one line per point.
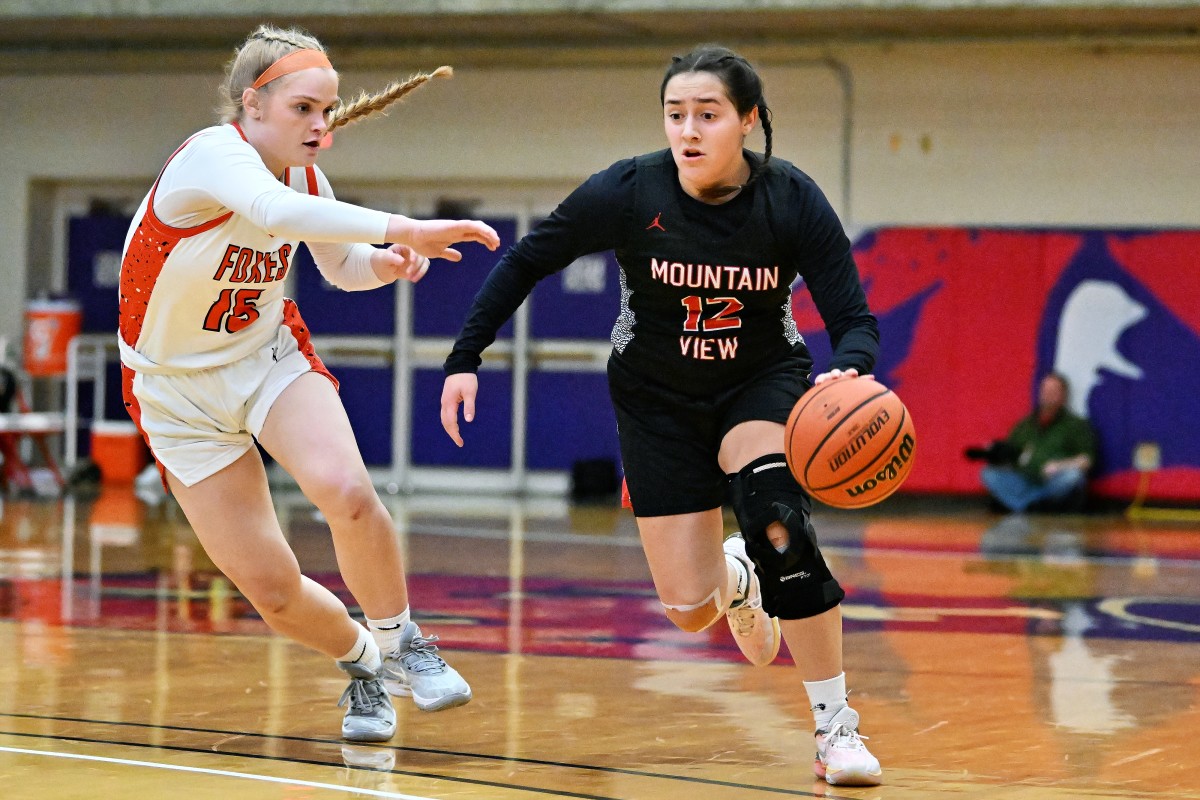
89 355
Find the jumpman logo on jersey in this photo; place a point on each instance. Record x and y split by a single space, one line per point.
656 223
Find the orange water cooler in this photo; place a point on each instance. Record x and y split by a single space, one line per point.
118 450
50 325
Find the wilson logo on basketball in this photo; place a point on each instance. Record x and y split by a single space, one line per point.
890 471
849 442
841 457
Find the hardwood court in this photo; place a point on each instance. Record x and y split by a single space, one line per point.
990 657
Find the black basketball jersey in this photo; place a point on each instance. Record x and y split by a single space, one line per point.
702 309
705 289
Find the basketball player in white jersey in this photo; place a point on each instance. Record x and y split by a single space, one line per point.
214 357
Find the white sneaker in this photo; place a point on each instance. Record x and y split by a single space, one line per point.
842 758
756 633
417 670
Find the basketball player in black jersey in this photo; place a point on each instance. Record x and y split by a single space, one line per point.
706 365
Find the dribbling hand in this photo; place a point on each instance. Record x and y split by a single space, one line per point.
834 374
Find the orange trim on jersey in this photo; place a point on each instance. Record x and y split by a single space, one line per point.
291 318
151 244
292 62
144 260
310 179
135 413
161 227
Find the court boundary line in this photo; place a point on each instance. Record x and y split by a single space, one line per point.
221 773
384 746
309 762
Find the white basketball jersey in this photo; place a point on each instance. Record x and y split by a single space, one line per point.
206 288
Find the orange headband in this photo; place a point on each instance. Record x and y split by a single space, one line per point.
292 62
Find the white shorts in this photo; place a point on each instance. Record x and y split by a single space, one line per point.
198 423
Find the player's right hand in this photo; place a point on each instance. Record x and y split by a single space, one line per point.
458 388
834 374
432 237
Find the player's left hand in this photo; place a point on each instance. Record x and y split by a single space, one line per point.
399 262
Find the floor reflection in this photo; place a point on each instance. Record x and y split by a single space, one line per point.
984 651
546 577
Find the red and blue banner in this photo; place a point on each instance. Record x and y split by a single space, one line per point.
971 319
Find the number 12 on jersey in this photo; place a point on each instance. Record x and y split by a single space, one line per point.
725 318
722 320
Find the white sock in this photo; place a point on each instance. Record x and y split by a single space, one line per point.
826 698
364 652
737 582
387 631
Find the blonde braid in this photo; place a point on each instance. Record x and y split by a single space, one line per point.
296 38
367 104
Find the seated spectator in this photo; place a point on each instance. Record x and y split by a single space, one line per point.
1044 462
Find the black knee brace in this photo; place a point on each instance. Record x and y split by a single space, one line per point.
795 583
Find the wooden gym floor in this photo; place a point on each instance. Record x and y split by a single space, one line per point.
991 657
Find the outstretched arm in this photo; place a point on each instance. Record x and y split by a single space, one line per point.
432 237
588 221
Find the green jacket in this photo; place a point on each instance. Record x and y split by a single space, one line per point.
1066 436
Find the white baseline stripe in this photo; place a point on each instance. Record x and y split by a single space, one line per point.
219 772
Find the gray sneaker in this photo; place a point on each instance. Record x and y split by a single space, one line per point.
369 713
417 670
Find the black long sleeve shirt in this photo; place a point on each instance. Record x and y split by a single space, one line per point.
705 289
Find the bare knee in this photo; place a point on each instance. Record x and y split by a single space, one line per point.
347 500
270 592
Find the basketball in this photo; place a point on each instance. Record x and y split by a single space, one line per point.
849 442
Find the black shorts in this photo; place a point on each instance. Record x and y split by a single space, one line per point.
670 441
